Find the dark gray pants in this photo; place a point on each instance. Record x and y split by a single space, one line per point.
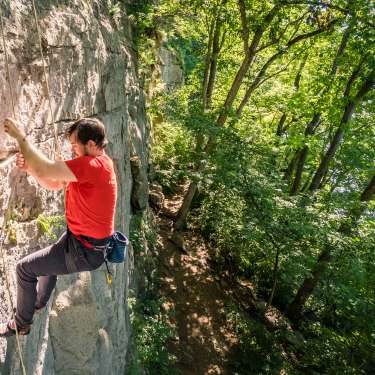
37 273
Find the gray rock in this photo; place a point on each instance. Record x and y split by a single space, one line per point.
171 72
92 71
139 195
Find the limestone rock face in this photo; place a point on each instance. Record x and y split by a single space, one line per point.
91 68
139 195
168 73
171 72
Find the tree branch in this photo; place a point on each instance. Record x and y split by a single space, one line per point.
317 3
282 33
245 27
313 33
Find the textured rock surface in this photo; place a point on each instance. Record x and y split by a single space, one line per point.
92 71
168 73
171 72
139 196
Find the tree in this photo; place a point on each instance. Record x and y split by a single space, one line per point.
307 287
298 160
352 102
286 37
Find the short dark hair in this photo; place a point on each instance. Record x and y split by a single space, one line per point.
89 129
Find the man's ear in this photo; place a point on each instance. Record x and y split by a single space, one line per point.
91 143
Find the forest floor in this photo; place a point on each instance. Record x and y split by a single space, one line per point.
195 299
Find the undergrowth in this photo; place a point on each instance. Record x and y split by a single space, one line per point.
151 330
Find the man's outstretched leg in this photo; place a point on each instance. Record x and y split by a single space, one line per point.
45 287
37 274
44 265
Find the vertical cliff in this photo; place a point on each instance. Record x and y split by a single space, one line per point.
92 71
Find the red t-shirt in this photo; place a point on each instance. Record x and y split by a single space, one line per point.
91 201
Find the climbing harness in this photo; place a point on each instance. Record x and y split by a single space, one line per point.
8 210
114 252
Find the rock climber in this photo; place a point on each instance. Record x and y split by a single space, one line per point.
90 190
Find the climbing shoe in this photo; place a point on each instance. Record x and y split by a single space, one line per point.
9 329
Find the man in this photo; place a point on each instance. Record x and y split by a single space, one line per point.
91 192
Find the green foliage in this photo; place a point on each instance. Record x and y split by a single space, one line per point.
173 141
142 15
149 321
151 331
142 234
185 46
331 353
114 8
245 206
12 231
172 153
258 351
50 225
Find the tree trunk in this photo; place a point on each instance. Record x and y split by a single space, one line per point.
244 24
366 196
207 63
340 51
275 274
280 126
189 196
234 88
367 85
314 123
246 63
306 185
323 166
233 91
185 207
294 310
297 80
369 191
291 166
260 75
213 66
213 49
302 153
256 83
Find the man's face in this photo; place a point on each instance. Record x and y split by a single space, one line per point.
77 148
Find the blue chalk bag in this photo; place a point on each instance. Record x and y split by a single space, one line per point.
117 248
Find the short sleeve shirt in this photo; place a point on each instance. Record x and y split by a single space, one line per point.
91 200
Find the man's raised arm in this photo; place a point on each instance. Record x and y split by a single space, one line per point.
44 182
43 168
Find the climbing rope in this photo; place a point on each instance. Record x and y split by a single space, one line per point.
8 210
6 61
57 144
